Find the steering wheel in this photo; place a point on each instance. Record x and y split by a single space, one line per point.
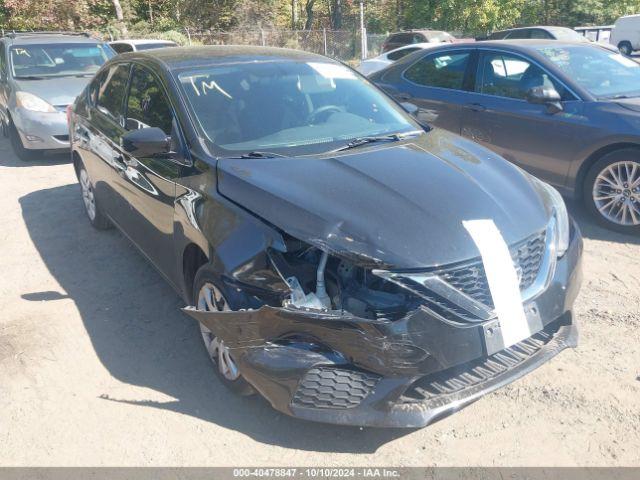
322 110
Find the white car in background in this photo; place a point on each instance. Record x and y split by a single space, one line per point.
123 46
372 65
626 34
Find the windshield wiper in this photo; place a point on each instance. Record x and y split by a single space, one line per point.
29 77
360 141
257 154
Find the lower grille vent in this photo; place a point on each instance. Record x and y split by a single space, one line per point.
325 387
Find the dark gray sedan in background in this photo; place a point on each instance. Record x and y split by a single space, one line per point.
568 113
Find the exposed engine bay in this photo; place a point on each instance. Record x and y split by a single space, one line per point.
319 281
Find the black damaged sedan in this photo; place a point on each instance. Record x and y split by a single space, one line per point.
345 262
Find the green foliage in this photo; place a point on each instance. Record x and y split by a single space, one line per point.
171 17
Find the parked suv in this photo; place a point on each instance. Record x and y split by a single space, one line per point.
40 75
331 248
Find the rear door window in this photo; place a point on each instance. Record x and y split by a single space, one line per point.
403 38
111 91
401 53
122 47
443 70
519 34
540 34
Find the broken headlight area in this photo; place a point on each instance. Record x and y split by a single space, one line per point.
352 344
323 282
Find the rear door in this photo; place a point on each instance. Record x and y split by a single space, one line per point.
438 84
499 117
98 137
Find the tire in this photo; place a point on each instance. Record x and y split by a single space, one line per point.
91 207
224 364
611 191
625 48
22 153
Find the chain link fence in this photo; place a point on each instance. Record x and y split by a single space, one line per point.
345 45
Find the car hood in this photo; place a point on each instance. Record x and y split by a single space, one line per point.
393 206
56 91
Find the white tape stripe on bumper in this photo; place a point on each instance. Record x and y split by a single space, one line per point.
502 278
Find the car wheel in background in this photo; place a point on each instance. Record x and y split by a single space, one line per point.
208 297
625 48
23 154
96 217
612 190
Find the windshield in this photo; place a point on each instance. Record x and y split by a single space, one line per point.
58 60
286 106
604 74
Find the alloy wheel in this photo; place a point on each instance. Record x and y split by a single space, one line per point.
210 299
616 193
87 194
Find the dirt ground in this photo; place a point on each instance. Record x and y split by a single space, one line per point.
99 367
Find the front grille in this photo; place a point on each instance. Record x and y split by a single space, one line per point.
471 278
324 387
457 379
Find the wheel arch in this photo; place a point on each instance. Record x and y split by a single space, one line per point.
193 257
594 157
77 161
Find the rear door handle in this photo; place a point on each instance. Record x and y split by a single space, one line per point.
475 107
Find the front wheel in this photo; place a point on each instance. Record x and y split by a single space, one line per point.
612 191
208 297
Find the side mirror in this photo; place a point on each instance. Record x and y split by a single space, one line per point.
146 142
545 96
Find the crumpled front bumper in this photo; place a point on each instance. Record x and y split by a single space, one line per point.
336 368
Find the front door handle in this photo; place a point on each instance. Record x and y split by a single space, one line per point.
475 107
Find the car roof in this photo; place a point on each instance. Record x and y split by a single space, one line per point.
184 57
39 38
519 44
419 46
141 41
419 30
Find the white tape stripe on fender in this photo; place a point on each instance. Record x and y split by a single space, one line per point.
502 279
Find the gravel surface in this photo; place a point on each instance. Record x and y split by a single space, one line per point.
99 367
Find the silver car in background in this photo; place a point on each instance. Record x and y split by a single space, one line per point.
41 73
137 45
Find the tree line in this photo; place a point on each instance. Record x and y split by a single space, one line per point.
466 17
